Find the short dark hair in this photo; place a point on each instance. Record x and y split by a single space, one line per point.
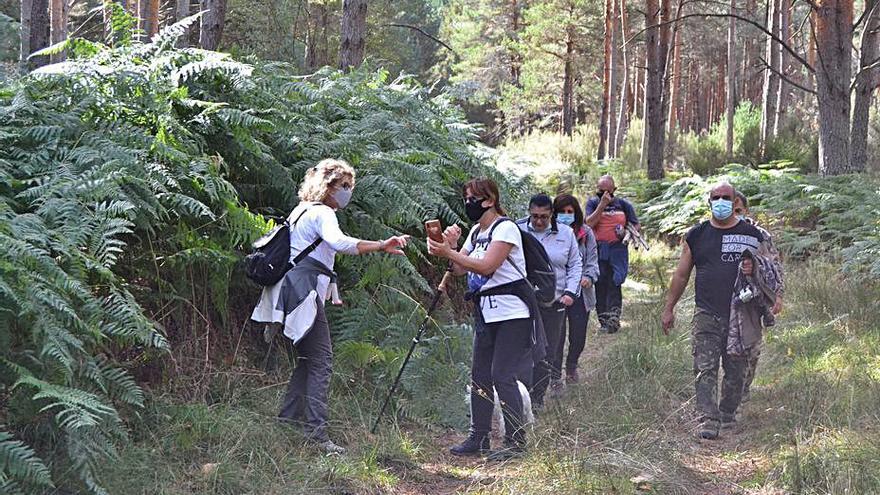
743 198
564 200
541 200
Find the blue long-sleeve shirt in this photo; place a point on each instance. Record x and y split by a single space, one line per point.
565 256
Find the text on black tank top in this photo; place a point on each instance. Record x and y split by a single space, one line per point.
716 255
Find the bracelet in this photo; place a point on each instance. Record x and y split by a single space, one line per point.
382 245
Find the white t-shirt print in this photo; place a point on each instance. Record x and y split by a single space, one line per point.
506 306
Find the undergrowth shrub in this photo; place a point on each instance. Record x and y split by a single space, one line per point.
808 214
132 179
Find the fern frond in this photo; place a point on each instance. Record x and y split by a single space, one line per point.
19 463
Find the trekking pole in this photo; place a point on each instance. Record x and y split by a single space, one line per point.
434 302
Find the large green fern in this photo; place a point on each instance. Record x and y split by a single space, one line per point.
132 179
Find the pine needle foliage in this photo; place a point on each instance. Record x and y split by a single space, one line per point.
133 177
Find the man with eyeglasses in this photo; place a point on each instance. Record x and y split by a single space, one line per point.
715 248
608 216
562 248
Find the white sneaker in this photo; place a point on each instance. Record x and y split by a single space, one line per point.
331 448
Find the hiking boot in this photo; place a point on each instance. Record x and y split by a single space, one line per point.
472 446
728 420
511 450
329 447
709 429
603 329
571 376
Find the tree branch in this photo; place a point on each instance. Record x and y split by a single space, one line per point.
775 38
422 32
551 52
786 78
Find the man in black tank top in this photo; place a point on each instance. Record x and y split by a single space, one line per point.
715 248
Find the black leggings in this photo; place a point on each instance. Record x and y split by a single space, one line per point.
578 317
499 352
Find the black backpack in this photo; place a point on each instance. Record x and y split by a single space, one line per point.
539 271
271 257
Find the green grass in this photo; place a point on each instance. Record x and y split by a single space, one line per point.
811 426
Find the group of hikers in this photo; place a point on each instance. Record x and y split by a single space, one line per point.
519 337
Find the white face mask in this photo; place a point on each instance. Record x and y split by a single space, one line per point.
342 196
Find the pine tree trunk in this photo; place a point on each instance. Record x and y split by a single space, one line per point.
685 122
182 9
657 46
833 20
865 82
182 12
615 80
354 33
567 88
675 90
623 110
315 35
731 79
515 61
58 22
771 79
784 60
606 82
40 29
148 13
212 23
25 34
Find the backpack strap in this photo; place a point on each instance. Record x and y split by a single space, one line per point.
476 232
311 247
498 222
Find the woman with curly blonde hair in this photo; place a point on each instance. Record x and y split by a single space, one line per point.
297 301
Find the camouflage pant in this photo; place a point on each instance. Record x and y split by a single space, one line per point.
709 339
751 367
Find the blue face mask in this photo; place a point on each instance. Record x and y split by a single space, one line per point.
722 208
565 218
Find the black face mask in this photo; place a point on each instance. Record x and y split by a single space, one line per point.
475 209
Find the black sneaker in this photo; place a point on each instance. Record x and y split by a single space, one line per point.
510 451
472 446
709 429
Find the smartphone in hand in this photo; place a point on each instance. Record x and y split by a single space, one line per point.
434 230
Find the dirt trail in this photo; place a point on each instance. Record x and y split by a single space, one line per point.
446 474
719 467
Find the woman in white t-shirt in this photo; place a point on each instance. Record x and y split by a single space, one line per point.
327 187
492 258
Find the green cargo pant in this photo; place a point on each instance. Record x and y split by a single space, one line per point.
709 341
752 367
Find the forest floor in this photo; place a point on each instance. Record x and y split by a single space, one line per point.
720 467
627 428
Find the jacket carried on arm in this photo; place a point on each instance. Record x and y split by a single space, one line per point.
299 298
751 303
